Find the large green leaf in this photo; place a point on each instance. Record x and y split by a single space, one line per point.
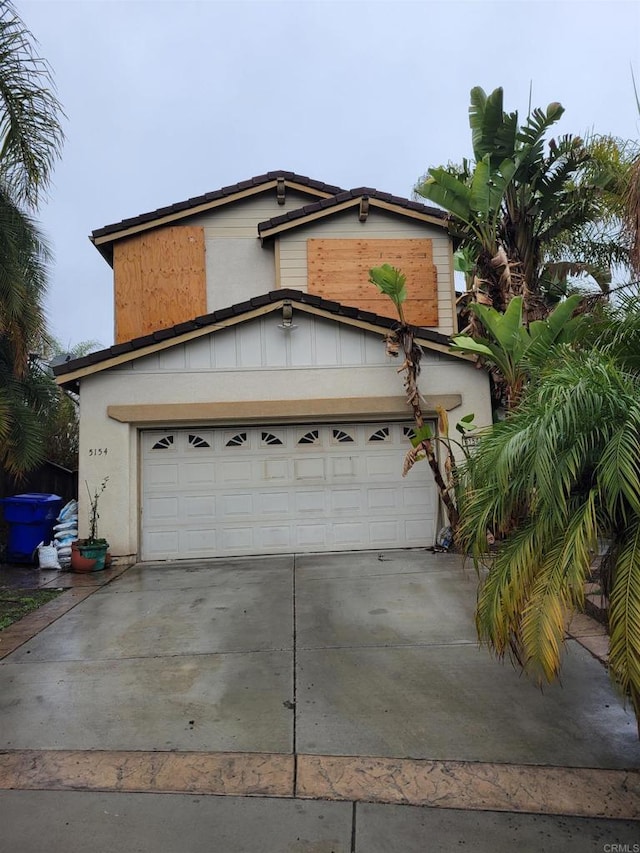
390 281
492 353
493 131
505 328
449 192
485 118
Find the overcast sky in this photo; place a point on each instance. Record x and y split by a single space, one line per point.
167 99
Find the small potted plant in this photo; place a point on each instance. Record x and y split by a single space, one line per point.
90 554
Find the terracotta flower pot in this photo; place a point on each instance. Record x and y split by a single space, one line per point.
88 557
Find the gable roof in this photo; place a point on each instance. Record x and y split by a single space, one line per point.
330 200
103 238
68 373
346 199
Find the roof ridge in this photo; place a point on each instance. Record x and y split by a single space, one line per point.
348 195
214 195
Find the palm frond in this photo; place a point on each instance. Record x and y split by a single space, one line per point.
31 134
624 617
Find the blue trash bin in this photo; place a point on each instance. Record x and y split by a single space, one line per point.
30 518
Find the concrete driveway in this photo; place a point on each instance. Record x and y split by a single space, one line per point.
336 700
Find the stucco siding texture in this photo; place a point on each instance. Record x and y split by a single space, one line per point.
253 362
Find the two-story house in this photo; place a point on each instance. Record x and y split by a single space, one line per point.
248 405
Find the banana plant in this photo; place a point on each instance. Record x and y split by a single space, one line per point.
390 281
517 202
512 347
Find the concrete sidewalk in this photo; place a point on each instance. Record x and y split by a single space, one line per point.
339 702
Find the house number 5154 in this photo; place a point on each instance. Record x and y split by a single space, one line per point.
97 451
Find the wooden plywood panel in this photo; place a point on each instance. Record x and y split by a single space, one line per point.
339 270
159 280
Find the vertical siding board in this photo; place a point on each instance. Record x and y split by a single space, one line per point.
350 346
199 354
302 343
172 359
275 340
225 349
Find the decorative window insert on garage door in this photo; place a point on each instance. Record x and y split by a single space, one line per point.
277 489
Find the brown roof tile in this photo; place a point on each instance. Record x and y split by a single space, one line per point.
339 198
238 310
196 201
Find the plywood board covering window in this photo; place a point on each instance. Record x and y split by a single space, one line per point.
339 270
159 280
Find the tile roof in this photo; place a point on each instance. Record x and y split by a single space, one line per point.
238 310
348 195
224 192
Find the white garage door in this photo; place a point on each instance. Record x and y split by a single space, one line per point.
266 490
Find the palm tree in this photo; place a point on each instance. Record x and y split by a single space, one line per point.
514 208
30 142
558 476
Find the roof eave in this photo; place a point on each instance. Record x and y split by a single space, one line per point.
267 232
69 373
104 238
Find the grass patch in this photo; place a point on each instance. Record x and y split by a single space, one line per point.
16 603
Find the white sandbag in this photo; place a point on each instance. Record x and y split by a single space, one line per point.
48 556
68 510
63 535
66 525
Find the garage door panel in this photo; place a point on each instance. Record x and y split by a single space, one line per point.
278 503
344 500
384 531
235 471
195 540
162 510
274 537
420 492
312 536
309 502
237 505
197 473
383 498
343 467
383 464
264 490
350 534
158 543
415 530
163 476
276 470
196 507
237 540
312 468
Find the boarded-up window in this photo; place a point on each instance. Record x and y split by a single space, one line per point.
339 270
159 280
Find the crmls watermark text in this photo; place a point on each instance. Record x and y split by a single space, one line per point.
621 848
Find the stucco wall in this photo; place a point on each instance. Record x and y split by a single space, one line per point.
355 368
237 266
